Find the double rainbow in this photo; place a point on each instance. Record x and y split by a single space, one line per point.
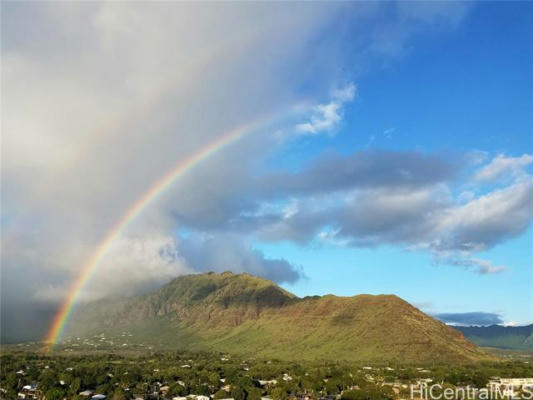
149 196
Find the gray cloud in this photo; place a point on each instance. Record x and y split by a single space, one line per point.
486 220
426 217
230 252
391 216
365 199
363 169
482 267
470 318
25 321
235 196
112 109
94 112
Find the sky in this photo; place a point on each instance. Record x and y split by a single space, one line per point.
390 151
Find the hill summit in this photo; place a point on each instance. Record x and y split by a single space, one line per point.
243 314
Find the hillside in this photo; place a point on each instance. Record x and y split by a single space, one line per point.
248 315
504 337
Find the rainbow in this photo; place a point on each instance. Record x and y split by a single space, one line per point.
159 187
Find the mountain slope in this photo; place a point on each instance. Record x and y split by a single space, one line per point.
248 315
504 337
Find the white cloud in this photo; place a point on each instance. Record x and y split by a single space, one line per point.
388 132
466 196
518 323
428 216
433 11
94 112
132 265
230 252
505 167
487 267
486 220
345 94
480 266
325 117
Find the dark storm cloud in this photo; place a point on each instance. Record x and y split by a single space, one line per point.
470 318
25 320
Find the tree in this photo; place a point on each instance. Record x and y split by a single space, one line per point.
118 395
237 393
332 386
221 394
54 394
279 394
75 385
351 395
254 393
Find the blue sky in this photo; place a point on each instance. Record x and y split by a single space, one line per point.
397 158
465 89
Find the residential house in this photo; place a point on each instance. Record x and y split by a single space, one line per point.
29 392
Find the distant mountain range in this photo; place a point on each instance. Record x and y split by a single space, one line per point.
504 337
247 315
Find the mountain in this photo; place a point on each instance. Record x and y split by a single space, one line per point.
252 316
504 337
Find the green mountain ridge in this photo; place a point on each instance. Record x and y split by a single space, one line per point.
243 314
504 337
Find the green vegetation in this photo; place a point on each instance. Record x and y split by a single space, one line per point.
151 374
245 315
503 337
